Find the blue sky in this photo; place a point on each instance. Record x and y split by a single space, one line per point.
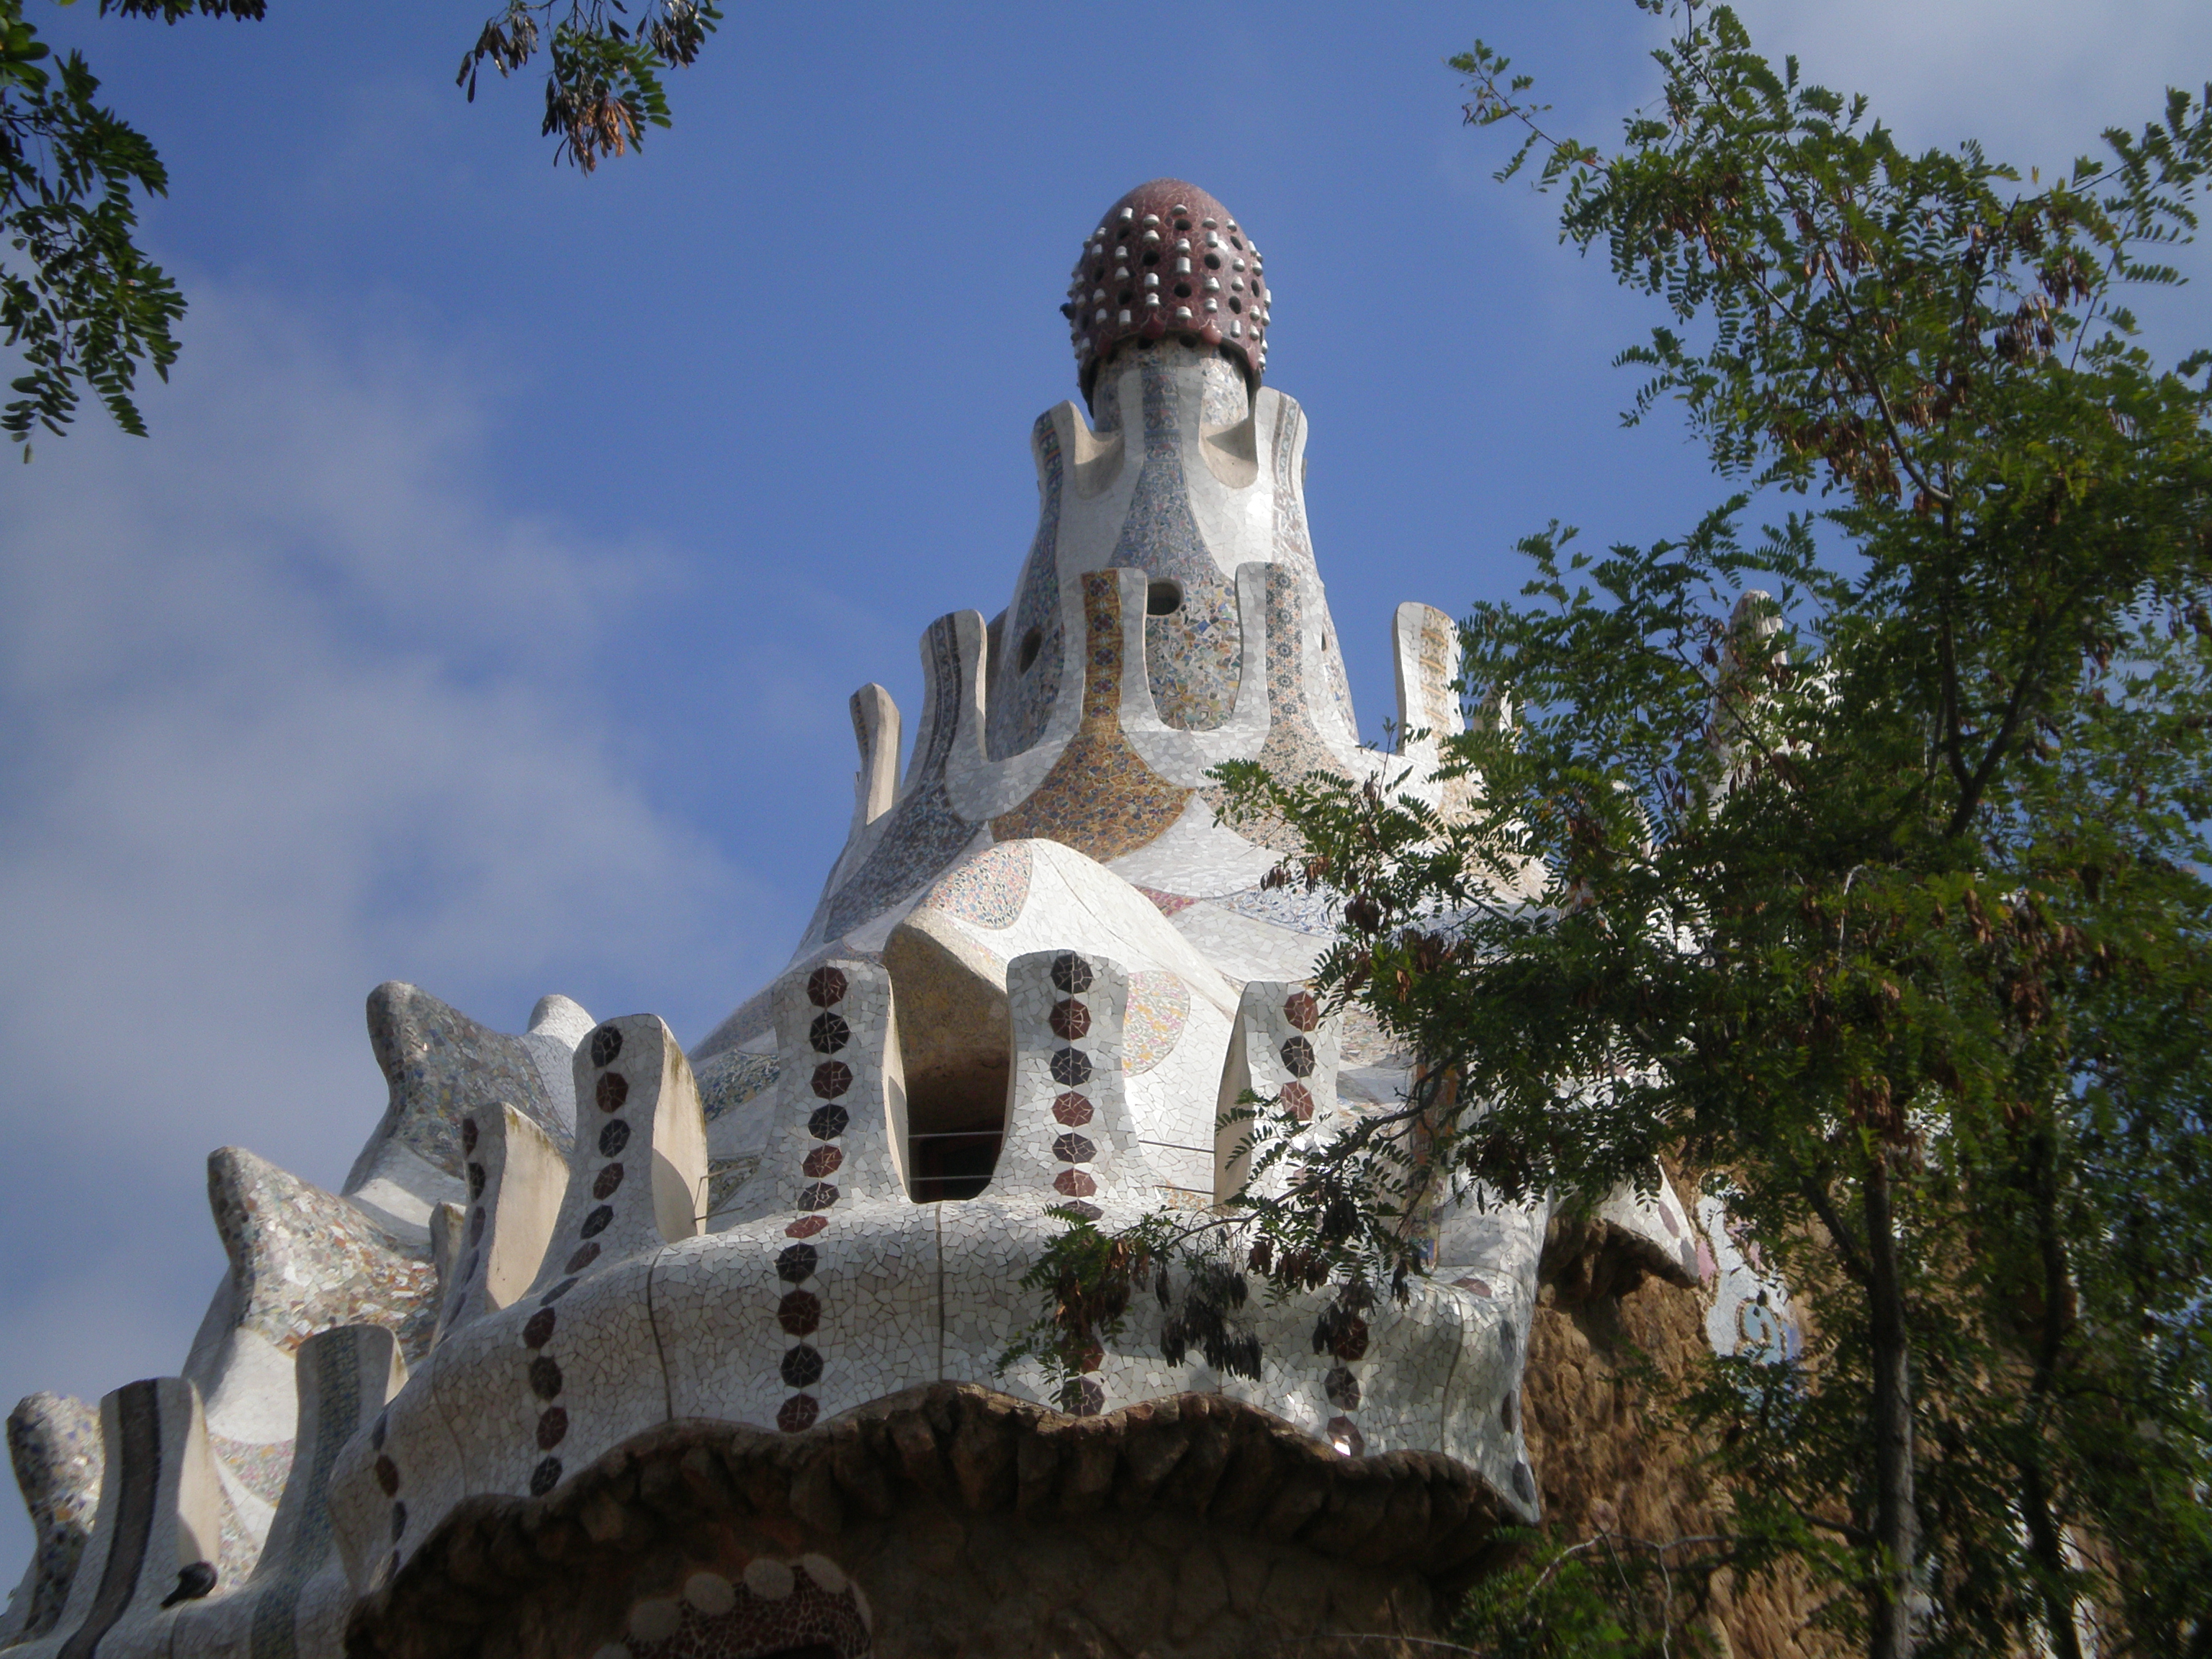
483 609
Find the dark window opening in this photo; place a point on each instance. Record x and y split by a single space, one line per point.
1187 339
952 1164
1214 262
1182 290
1183 224
1163 598
1236 305
1030 642
1153 258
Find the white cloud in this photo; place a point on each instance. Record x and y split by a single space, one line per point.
2035 81
288 706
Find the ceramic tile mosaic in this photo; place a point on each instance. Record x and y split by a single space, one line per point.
516 1181
54 1444
1751 1312
1159 1006
1193 653
302 1260
438 1063
922 834
1033 647
1098 798
988 890
732 1078
624 1241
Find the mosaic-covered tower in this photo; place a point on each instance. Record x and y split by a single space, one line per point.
609 1350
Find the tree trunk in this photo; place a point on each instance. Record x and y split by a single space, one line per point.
1895 1600
2048 1549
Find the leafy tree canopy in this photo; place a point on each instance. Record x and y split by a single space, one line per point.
80 301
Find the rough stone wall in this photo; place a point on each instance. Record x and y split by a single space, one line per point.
951 1519
1603 1460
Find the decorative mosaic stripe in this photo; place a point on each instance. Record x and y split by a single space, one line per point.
1021 704
1283 1050
1099 798
158 1535
1070 1142
639 1168
924 834
343 1375
829 1149
515 1177
1294 747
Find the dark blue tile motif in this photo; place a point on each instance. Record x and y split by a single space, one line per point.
925 834
1033 644
1190 653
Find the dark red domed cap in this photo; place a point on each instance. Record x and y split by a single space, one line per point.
1168 260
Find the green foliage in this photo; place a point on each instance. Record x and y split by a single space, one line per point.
603 87
81 302
1610 1597
1859 863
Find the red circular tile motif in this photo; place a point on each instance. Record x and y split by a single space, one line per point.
1074 1183
1070 1019
1297 1100
806 1226
613 1089
822 1161
584 1257
552 1428
800 1313
825 987
1344 1435
1302 1010
603 1184
798 1413
539 1331
1073 1109
831 1078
